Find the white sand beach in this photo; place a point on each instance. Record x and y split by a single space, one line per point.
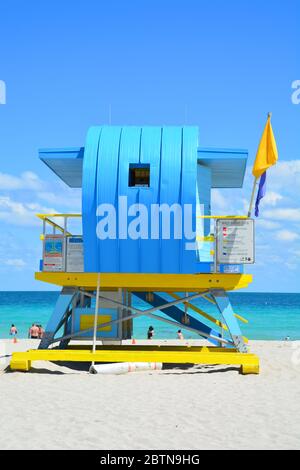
203 407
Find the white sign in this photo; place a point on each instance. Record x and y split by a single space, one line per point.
235 241
53 254
75 254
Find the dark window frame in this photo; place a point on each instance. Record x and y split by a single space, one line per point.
139 175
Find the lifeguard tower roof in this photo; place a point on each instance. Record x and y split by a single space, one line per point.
227 165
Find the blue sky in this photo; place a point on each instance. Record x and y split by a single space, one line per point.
219 65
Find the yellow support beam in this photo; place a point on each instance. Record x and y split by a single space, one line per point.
202 355
242 319
46 216
206 315
206 297
149 282
201 312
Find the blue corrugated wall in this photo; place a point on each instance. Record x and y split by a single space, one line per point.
204 194
171 153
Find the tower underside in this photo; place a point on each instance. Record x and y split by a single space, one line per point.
168 298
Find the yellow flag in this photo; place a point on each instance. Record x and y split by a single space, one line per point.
267 154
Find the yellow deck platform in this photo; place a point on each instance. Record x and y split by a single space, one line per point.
148 282
249 363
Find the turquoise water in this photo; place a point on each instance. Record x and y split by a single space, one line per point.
271 316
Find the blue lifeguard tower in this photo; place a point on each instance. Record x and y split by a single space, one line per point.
135 181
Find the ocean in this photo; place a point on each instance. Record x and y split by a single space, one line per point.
271 316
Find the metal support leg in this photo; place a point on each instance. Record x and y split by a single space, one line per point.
67 327
127 325
225 308
57 319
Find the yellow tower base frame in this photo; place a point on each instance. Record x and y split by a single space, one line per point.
229 349
249 363
148 282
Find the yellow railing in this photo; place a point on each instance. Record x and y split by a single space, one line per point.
209 238
46 218
222 217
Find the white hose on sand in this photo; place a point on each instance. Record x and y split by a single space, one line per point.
119 368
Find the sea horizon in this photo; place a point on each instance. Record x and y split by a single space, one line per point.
271 315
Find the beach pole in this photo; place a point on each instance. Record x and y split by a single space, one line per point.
252 197
96 316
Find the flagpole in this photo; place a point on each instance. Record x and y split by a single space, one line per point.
252 197
254 186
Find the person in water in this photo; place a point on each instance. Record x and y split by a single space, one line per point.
179 334
150 332
13 330
41 331
34 332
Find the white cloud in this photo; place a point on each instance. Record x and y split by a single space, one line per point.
286 235
272 198
61 195
22 197
262 247
20 213
276 259
27 180
287 214
267 224
285 175
16 262
291 266
218 200
283 183
66 197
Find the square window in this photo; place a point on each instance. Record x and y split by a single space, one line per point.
139 175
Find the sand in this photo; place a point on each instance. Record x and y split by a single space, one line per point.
203 407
